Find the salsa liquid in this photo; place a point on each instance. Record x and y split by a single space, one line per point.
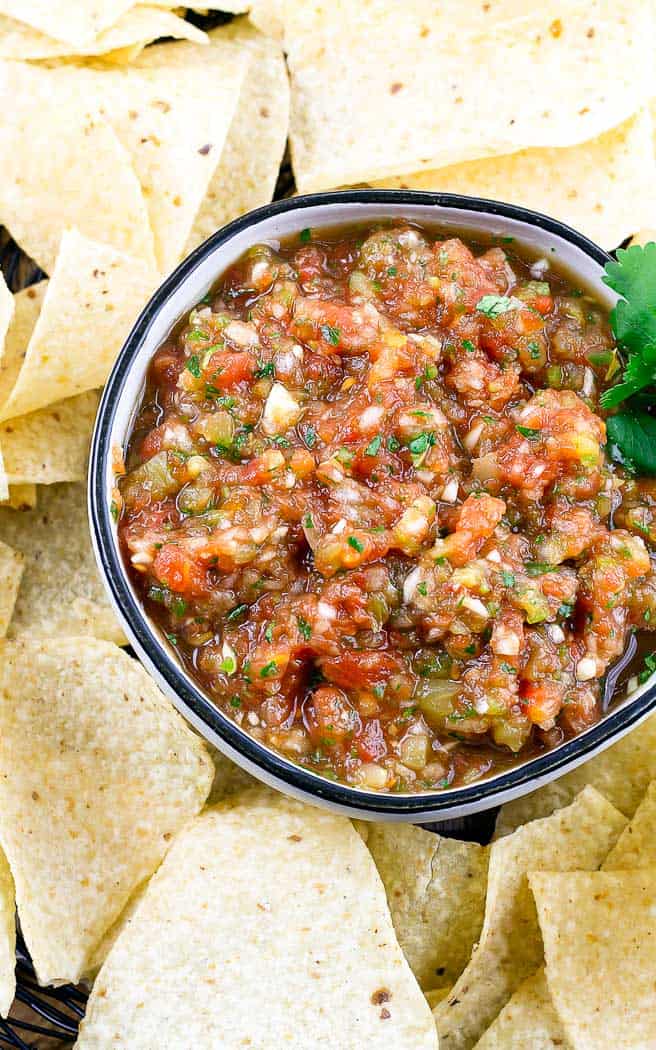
367 498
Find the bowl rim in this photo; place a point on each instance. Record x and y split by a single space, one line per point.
188 696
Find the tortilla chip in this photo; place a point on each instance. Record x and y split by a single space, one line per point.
98 772
621 773
375 95
11 570
6 312
436 893
436 995
247 172
4 484
61 593
27 307
599 931
92 300
171 109
510 948
229 778
139 26
233 867
52 444
75 21
636 846
84 177
644 237
7 937
528 1020
21 497
605 188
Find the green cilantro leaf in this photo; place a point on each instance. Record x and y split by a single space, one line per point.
373 448
193 366
495 305
528 432
330 334
356 544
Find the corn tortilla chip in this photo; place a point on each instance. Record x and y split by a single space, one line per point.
6 312
138 26
343 57
11 570
233 867
61 593
644 236
229 778
436 995
528 1020
51 444
85 176
605 187
27 307
7 937
4 484
171 109
92 300
621 773
599 932
436 894
75 21
510 948
636 846
118 774
21 497
247 172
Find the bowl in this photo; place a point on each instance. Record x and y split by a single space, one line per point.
122 394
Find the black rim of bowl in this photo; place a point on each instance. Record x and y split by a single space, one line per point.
482 794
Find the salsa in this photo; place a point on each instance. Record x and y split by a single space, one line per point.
367 497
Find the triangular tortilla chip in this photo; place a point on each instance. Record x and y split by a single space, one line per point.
510 948
246 175
606 187
636 846
136 27
27 307
92 300
219 916
61 592
51 444
7 937
528 1020
21 497
436 893
84 178
118 774
376 95
11 570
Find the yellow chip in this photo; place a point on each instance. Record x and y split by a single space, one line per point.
376 95
621 773
27 306
219 916
436 894
636 846
528 1021
75 21
51 444
606 187
510 948
7 937
61 593
85 176
599 932
91 302
11 570
134 29
98 773
21 497
247 172
644 237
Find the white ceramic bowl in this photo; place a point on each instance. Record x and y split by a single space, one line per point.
121 399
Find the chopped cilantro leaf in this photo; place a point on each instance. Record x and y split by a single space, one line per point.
468 346
528 432
508 578
268 634
393 445
113 509
356 544
373 448
305 236
308 521
310 436
264 370
421 444
495 305
392 271
193 366
422 588
304 628
269 669
330 334
649 668
236 613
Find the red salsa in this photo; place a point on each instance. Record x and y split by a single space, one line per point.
367 498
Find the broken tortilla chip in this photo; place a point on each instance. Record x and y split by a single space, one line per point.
605 187
599 933
11 570
134 29
361 110
528 1020
61 593
251 938
21 497
636 846
85 176
91 302
27 307
118 767
510 948
436 894
245 177
75 21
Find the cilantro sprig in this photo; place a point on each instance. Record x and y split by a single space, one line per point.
632 431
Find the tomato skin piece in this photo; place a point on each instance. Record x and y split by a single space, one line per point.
178 571
362 670
225 369
370 742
